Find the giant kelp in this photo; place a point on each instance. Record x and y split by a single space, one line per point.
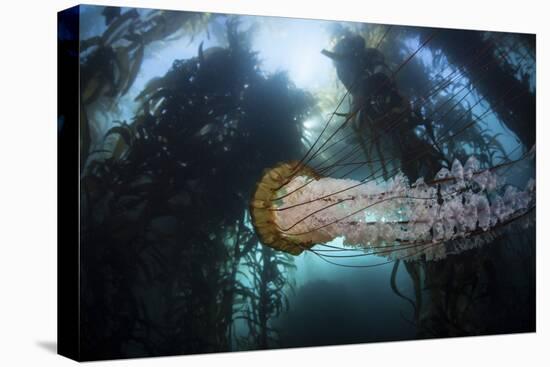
110 62
164 234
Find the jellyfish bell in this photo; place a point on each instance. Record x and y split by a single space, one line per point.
265 219
294 208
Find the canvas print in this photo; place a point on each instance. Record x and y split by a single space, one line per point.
251 182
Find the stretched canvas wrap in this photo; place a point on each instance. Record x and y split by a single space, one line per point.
236 182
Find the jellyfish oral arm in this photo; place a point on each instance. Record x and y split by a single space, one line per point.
392 218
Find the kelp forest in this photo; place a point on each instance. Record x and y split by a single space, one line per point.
181 113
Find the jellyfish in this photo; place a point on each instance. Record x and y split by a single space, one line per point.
293 208
404 214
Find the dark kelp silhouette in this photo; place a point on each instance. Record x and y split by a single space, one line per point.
164 234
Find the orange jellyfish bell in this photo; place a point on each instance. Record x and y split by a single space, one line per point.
268 190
